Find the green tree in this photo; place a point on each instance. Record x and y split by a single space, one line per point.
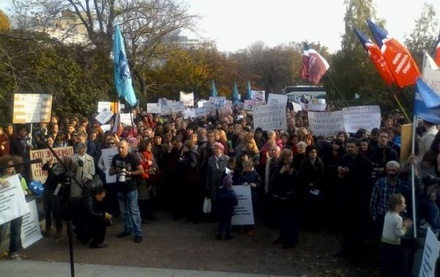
424 35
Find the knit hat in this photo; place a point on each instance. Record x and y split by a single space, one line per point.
227 181
219 146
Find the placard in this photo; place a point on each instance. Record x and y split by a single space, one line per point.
270 117
104 116
325 123
12 201
153 108
107 155
30 228
45 155
357 117
32 108
277 99
244 214
126 119
430 254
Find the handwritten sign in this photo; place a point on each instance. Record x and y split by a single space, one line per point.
270 117
244 214
107 155
366 117
277 99
326 123
44 154
12 201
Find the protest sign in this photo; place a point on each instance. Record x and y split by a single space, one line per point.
277 99
259 97
357 117
12 201
270 117
325 123
30 228
430 255
45 154
32 108
177 106
187 98
199 112
107 156
244 214
153 108
104 116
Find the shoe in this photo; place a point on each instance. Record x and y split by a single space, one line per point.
47 233
251 233
123 234
277 241
228 237
288 246
14 257
218 237
138 239
99 245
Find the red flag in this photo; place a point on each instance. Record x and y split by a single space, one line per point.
437 53
399 60
314 66
376 57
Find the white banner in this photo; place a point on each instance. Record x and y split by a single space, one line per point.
12 201
199 112
107 156
30 229
177 106
270 117
244 214
326 123
366 117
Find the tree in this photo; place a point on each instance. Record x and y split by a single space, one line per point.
351 70
5 25
424 35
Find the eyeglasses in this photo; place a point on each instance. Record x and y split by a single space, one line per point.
111 143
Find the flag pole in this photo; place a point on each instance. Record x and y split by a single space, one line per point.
413 190
401 107
340 94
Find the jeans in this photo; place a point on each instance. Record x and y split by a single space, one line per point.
15 233
52 209
128 205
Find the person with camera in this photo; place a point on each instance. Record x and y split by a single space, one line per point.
128 168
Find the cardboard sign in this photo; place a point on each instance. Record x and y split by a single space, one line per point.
32 108
12 201
244 214
45 154
270 117
30 229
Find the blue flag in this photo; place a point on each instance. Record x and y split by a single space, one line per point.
235 94
426 103
123 80
214 90
249 91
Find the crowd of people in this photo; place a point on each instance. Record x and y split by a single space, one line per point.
342 183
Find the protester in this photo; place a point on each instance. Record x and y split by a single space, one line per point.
227 200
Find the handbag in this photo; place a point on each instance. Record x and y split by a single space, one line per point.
207 205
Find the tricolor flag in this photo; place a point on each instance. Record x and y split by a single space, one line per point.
376 57
314 66
399 60
123 80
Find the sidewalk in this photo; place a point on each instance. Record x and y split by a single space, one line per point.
27 268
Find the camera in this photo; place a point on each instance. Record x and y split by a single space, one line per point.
122 175
80 163
430 180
